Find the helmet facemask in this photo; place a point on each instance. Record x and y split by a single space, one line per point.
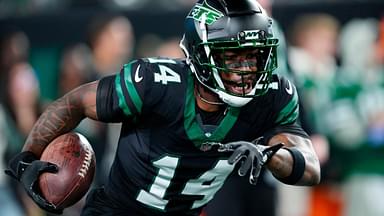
231 48
241 69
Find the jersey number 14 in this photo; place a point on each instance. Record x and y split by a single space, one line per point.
167 166
166 74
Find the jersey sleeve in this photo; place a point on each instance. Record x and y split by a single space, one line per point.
121 96
287 103
107 106
286 107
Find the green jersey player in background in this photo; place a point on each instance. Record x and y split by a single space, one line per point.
186 123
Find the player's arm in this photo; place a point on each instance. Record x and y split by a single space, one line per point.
62 116
290 157
106 100
289 153
296 163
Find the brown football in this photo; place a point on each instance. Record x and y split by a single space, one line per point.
76 161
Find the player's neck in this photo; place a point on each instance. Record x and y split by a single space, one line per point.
207 100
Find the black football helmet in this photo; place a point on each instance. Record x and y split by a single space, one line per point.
214 28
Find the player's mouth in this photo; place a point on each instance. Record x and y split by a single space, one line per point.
239 87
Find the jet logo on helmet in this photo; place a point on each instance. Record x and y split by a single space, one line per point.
210 13
251 35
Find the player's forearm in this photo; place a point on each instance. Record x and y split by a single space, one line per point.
62 116
282 163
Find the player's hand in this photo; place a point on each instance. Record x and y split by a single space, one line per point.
25 168
252 156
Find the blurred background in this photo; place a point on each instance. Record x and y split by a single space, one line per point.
332 49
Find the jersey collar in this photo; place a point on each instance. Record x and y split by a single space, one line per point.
193 130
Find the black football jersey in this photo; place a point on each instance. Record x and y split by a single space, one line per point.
164 163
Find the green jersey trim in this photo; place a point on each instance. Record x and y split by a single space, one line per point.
290 112
122 103
131 87
193 130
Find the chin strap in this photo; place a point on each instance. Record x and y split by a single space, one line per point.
206 100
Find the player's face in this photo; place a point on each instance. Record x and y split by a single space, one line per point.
240 69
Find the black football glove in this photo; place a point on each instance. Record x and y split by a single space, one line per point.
25 168
253 157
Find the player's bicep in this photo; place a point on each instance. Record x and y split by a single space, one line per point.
81 101
291 140
271 136
89 99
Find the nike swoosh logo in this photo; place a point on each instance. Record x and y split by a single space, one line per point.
289 88
137 77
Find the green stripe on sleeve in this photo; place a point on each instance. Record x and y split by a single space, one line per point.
122 103
290 112
131 87
291 117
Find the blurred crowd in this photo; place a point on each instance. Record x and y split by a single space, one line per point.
338 69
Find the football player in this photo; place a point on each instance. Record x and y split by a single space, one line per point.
187 123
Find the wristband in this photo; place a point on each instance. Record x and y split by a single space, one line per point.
298 167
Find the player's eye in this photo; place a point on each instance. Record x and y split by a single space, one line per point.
231 57
251 56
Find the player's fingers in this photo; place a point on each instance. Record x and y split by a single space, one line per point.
255 172
50 167
10 173
44 204
236 156
253 179
229 147
245 166
42 166
269 152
